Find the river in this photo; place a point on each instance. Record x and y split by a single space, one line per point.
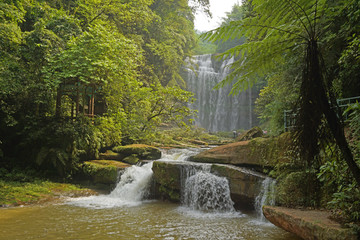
126 214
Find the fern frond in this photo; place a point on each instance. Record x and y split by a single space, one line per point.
277 26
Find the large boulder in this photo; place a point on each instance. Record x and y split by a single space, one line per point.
167 178
308 224
170 178
257 153
245 184
140 151
255 132
102 171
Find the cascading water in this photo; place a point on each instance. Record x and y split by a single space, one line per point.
217 111
265 197
201 190
134 183
207 192
131 190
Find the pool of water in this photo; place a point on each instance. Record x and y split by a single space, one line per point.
147 220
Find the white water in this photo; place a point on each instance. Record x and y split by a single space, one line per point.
203 193
265 197
217 111
207 192
132 190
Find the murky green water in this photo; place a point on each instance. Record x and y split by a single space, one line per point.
149 220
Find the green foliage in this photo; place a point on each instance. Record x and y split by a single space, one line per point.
58 147
14 193
344 196
149 107
297 189
109 131
336 177
59 57
204 47
281 93
353 115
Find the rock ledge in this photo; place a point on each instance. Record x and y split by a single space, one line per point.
308 224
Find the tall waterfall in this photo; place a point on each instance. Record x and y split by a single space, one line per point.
217 111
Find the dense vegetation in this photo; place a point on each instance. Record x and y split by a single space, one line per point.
308 53
79 76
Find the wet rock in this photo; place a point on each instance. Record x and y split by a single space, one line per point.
167 178
245 184
132 159
102 171
308 224
170 176
257 153
143 152
250 134
110 155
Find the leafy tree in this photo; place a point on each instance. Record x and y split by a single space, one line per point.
56 55
280 93
237 13
281 28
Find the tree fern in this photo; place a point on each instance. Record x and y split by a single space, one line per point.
274 29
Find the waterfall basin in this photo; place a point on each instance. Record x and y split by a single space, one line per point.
149 220
126 213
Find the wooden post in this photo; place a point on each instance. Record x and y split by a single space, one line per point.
77 98
93 102
58 102
72 109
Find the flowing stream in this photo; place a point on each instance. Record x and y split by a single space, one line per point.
206 212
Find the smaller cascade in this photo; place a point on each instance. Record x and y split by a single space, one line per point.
134 183
131 190
207 192
265 197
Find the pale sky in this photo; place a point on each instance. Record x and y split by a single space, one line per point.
218 8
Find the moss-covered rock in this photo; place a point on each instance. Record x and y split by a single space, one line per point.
258 152
167 180
255 132
132 159
102 171
110 155
141 151
297 189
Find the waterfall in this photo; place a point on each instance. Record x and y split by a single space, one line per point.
204 191
265 197
131 190
134 183
217 111
207 192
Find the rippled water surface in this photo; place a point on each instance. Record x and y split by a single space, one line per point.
149 220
